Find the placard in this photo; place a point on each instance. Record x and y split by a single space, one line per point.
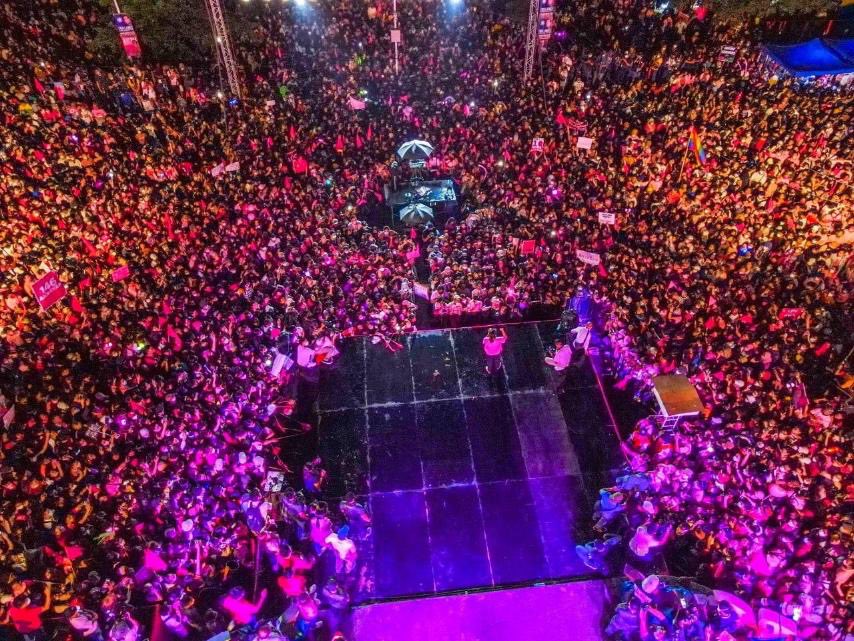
527 247
121 273
8 417
607 217
48 290
421 291
584 142
790 313
395 36
235 166
590 258
127 35
537 144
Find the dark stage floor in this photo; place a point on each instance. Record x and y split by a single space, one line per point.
472 482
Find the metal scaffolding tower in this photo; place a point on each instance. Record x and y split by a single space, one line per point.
531 41
224 52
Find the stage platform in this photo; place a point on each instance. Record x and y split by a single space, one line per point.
472 482
563 612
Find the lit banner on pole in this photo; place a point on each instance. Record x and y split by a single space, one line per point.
127 35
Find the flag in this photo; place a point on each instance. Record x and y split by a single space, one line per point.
696 145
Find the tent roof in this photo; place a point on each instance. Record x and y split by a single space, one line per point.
812 58
843 48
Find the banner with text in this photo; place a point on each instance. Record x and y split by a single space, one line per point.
48 290
591 258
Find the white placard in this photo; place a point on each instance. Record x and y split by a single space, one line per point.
607 217
8 417
395 35
591 258
584 142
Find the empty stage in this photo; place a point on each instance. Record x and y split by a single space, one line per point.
472 482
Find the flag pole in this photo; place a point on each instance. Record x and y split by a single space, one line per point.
684 158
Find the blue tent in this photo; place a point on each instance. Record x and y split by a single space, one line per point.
814 58
843 48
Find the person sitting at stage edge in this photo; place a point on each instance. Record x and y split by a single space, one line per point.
493 346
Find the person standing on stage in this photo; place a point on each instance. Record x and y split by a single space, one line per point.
493 346
559 362
581 336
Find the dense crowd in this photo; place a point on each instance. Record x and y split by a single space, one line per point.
143 476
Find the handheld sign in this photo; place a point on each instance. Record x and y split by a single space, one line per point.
584 142
607 217
48 290
537 144
590 258
121 273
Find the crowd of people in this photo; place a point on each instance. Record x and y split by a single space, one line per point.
144 480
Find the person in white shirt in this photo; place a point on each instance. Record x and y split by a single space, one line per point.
493 346
305 354
559 362
581 336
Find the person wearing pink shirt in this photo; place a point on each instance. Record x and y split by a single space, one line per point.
493 346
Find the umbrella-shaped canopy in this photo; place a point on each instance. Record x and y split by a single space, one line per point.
416 214
415 150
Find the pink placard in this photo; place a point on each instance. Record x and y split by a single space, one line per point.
121 273
48 290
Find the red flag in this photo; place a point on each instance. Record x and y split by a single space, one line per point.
38 85
292 133
339 143
359 142
370 133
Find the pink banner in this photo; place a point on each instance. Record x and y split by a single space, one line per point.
121 273
48 290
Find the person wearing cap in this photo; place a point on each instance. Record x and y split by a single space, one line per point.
493 347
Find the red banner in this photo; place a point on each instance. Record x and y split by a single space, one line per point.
48 290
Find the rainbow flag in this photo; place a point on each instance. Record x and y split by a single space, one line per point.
696 144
